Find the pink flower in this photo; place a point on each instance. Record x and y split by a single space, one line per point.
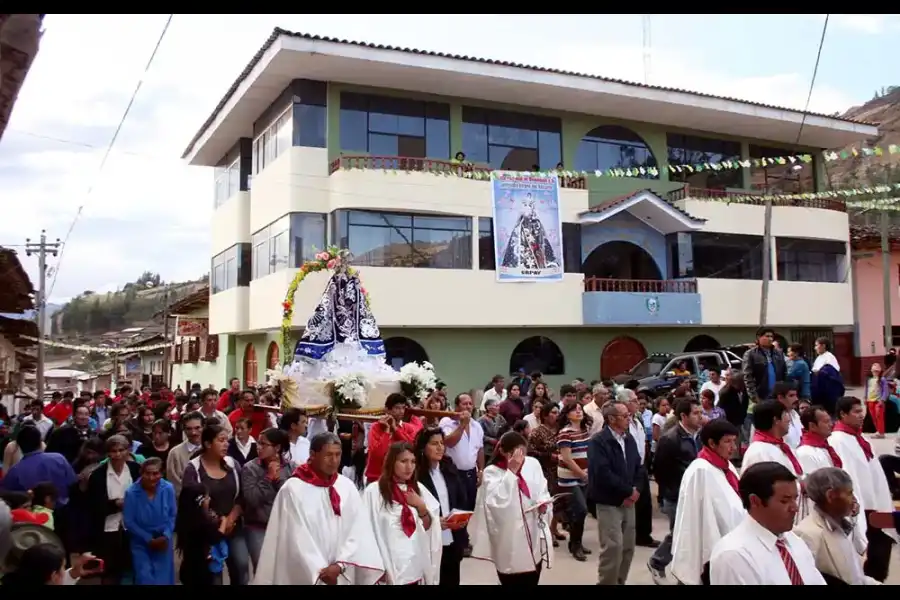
363 290
332 263
323 256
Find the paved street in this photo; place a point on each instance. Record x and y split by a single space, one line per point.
567 571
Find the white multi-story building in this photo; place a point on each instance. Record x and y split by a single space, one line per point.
351 144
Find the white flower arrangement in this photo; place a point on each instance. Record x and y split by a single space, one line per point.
350 390
418 380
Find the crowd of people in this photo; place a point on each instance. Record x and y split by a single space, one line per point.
759 484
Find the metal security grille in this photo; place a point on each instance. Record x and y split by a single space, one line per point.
807 338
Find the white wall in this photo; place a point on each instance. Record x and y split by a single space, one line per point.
735 302
229 310
231 223
787 221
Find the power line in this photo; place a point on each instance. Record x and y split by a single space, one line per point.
108 151
812 82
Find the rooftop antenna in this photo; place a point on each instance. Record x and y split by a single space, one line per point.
645 19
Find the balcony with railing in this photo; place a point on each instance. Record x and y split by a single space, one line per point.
756 198
640 302
429 165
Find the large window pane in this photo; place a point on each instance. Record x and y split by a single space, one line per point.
796 178
571 238
727 256
260 262
353 127
381 246
820 261
365 217
442 249
310 128
613 147
549 150
486 256
511 136
691 150
437 139
231 267
307 236
280 251
382 145
474 142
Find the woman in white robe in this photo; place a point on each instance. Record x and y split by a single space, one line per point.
709 503
405 517
509 527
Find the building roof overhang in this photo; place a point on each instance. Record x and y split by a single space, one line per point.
20 36
650 209
287 56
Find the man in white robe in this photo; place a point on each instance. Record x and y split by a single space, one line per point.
869 482
762 550
709 503
318 531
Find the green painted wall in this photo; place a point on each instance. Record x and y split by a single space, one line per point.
468 358
574 127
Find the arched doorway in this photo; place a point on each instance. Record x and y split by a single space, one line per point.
702 342
620 260
537 353
272 355
399 351
250 367
620 355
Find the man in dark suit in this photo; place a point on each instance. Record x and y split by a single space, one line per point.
614 474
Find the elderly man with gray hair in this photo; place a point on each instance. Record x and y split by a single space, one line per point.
829 530
615 473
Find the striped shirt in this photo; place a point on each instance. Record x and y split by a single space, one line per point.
576 440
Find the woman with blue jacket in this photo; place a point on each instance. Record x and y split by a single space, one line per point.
798 371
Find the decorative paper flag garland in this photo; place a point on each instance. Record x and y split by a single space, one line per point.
725 165
97 349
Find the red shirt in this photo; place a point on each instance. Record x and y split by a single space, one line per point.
380 440
259 420
61 412
49 408
224 404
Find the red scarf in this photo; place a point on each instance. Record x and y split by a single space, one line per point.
523 485
306 474
814 440
720 463
759 436
863 443
407 520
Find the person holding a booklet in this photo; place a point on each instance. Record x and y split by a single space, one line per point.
509 527
438 474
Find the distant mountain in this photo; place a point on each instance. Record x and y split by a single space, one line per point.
884 110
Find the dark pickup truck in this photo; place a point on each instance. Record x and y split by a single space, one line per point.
656 373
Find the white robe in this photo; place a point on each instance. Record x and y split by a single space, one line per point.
304 536
708 509
501 531
869 482
407 560
758 452
812 459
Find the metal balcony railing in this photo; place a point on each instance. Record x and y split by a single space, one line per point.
645 286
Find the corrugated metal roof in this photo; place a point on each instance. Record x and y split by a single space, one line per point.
278 32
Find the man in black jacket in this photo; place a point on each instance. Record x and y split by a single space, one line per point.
763 366
675 450
614 475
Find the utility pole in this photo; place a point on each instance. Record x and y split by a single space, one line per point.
165 361
886 277
42 249
766 262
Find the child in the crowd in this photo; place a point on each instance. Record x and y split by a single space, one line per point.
43 501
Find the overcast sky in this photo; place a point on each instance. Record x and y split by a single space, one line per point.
147 211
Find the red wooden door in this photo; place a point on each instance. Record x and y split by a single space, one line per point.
620 355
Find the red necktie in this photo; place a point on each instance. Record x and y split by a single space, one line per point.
789 564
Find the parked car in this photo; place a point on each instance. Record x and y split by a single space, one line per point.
656 373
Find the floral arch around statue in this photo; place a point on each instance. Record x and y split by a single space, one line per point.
339 361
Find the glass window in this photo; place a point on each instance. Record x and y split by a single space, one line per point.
571 238
231 267
272 142
693 150
379 239
796 178
228 182
311 126
307 236
383 126
260 244
217 273
486 257
818 261
727 256
280 250
614 147
511 141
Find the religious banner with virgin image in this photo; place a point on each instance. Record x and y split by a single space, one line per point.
527 227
